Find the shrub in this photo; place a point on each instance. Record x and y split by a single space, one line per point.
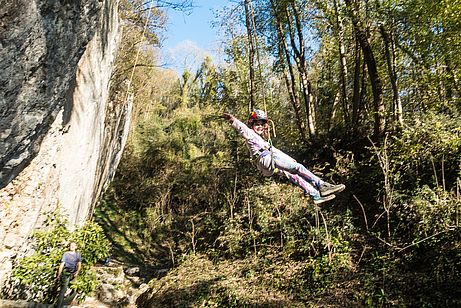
37 273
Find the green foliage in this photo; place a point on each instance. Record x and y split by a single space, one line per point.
186 195
273 220
430 32
416 216
435 211
185 187
435 140
37 272
168 165
318 275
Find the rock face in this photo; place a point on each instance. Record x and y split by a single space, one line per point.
60 136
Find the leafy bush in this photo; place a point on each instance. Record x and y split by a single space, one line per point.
37 272
428 152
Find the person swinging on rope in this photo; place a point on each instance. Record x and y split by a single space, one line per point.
270 160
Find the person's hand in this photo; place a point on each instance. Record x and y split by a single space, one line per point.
227 116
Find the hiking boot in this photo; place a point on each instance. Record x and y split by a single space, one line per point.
319 199
326 189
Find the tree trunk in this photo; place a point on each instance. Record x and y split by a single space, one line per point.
333 110
453 85
288 74
356 91
398 106
342 62
390 60
363 89
300 58
378 101
184 89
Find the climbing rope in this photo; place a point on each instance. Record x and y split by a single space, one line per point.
258 58
270 123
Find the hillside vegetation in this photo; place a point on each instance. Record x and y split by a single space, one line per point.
375 105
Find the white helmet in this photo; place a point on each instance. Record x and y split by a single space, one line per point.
257 115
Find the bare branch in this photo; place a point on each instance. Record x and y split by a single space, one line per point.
363 210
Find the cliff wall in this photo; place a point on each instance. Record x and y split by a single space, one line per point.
60 136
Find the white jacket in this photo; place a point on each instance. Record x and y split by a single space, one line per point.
259 148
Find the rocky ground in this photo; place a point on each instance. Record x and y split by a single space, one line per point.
119 286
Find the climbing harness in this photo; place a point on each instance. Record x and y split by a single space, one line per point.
262 153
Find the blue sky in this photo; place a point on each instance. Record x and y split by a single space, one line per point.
191 36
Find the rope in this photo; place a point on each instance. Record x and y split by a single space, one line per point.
258 58
254 37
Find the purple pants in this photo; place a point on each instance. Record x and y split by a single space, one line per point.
297 173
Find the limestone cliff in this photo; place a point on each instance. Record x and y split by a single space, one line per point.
60 136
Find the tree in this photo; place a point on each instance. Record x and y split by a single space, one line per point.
389 50
339 29
288 71
368 54
297 45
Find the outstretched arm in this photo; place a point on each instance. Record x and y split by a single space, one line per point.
241 128
227 116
